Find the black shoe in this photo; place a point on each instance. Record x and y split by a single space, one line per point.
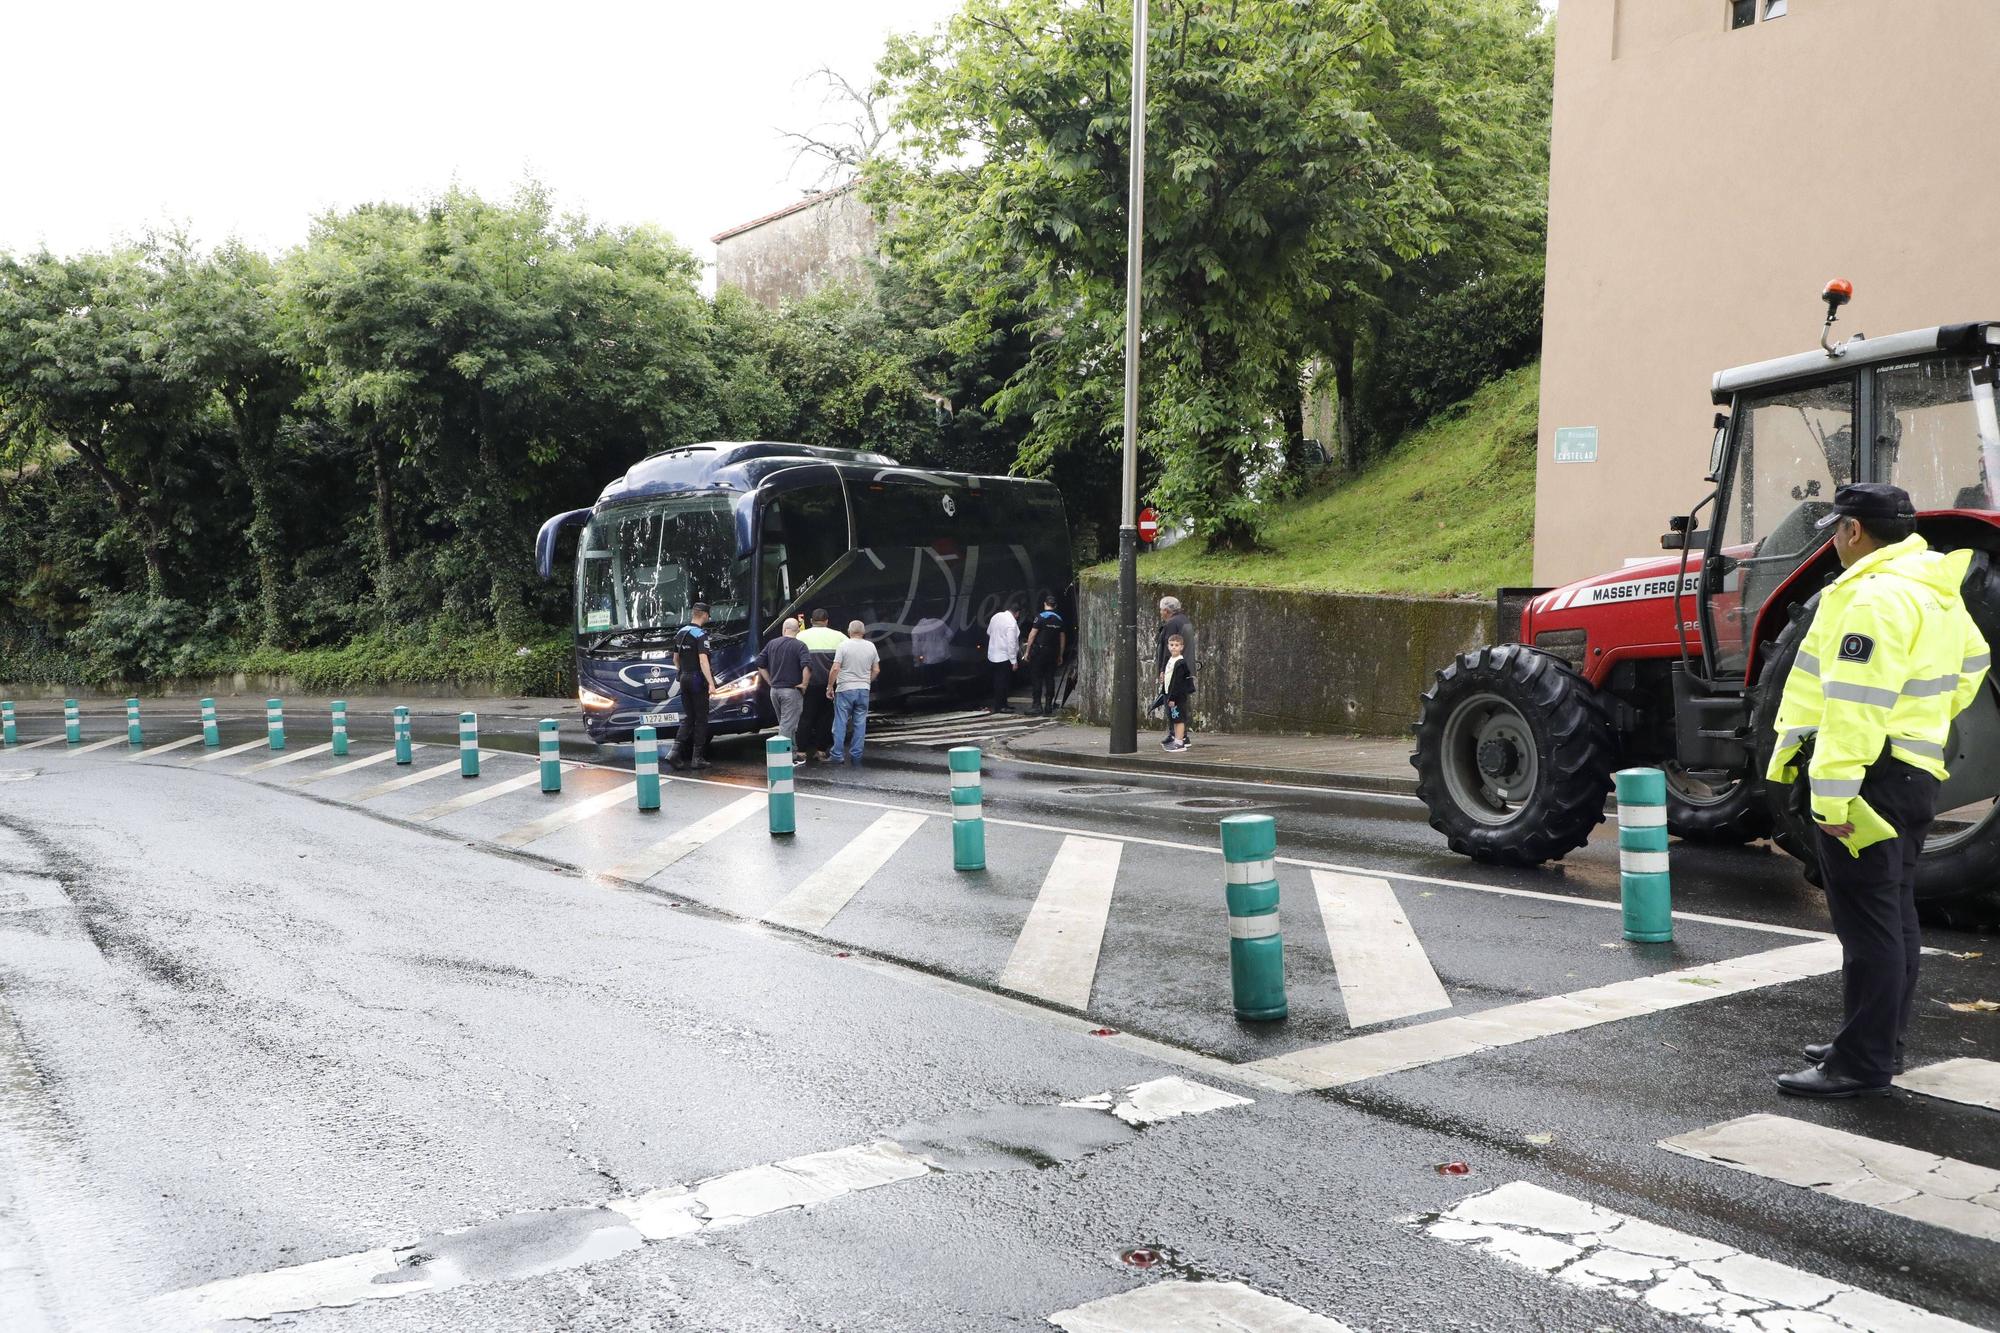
676 763
1821 1082
699 764
1819 1050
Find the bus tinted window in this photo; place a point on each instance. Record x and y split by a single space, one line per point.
805 532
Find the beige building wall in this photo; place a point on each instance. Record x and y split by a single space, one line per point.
820 241
1705 184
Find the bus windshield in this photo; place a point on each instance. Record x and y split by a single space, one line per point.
640 567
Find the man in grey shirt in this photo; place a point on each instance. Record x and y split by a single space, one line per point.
782 664
856 664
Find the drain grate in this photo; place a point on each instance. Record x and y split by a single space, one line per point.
1098 789
1215 803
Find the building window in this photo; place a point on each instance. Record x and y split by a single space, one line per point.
1742 13
1774 9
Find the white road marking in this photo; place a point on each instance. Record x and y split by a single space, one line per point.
291 757
170 745
407 780
1055 958
472 798
1585 1245
570 814
36 745
1377 1053
640 868
813 905
261 743
381 757
1189 1307
102 745
1122 775
669 1213
1974 1082
1942 1191
1383 969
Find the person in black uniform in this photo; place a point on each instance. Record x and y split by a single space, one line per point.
1048 646
697 679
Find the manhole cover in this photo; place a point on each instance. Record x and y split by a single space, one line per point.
1101 789
1215 803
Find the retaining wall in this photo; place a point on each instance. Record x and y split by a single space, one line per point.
1287 661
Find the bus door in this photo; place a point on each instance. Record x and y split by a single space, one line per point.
802 535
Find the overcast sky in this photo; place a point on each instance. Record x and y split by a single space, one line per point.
248 119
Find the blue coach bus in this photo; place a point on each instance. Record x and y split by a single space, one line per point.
761 531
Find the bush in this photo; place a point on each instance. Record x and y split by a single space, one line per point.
445 656
1443 351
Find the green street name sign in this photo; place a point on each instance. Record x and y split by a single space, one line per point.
1576 444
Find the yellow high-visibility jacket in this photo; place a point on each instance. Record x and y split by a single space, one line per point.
1892 655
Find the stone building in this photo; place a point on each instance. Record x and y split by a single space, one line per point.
822 240
1715 162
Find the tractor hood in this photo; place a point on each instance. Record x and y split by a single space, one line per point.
1641 581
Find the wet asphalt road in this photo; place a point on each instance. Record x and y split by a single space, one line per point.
253 1025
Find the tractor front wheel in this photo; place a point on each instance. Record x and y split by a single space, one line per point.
1514 756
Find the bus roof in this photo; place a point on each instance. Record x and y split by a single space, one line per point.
742 465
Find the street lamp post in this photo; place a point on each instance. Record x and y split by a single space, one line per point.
1124 660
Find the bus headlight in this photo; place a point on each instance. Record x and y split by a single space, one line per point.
594 702
741 687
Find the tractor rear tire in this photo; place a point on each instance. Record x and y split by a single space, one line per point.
1514 756
1958 886
1731 818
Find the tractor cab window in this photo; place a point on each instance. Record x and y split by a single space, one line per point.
1794 448
1930 438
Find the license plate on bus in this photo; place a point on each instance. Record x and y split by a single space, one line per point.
660 719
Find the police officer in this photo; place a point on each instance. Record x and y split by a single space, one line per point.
1048 646
1891 658
697 679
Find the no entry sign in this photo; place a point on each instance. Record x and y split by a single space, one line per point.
1149 526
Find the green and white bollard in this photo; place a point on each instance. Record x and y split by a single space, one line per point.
968 818
646 766
8 736
274 722
72 723
1643 888
550 744
778 774
402 729
340 726
211 734
1256 948
133 735
468 745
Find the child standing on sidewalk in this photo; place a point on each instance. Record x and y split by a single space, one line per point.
1177 685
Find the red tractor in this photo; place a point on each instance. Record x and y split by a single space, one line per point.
1679 662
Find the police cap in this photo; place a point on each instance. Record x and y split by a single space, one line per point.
1871 501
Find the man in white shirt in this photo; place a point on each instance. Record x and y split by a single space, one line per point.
856 664
1003 653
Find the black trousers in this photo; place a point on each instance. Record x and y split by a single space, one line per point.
691 742
1873 901
816 718
1003 682
1042 671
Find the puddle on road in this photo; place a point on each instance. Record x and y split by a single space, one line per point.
523 1245
1013 1138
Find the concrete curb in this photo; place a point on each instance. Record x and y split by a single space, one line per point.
1142 763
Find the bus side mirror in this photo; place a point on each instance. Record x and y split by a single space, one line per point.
545 540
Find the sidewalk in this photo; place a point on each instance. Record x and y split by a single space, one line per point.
1366 763
233 705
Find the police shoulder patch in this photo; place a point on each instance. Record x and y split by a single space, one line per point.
1856 648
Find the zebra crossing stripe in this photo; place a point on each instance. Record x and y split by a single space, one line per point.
1942 1191
380 758
407 780
36 745
1192 1306
813 905
292 757
100 745
1383 969
162 749
640 868
1583 1244
1973 1082
472 798
570 814
1376 1053
261 743
1055 956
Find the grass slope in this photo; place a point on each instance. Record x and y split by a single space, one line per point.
1449 510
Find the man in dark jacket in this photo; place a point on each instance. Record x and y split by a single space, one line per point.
1174 622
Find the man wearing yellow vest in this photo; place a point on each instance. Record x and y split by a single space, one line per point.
1890 659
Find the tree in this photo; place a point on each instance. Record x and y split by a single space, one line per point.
857 130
